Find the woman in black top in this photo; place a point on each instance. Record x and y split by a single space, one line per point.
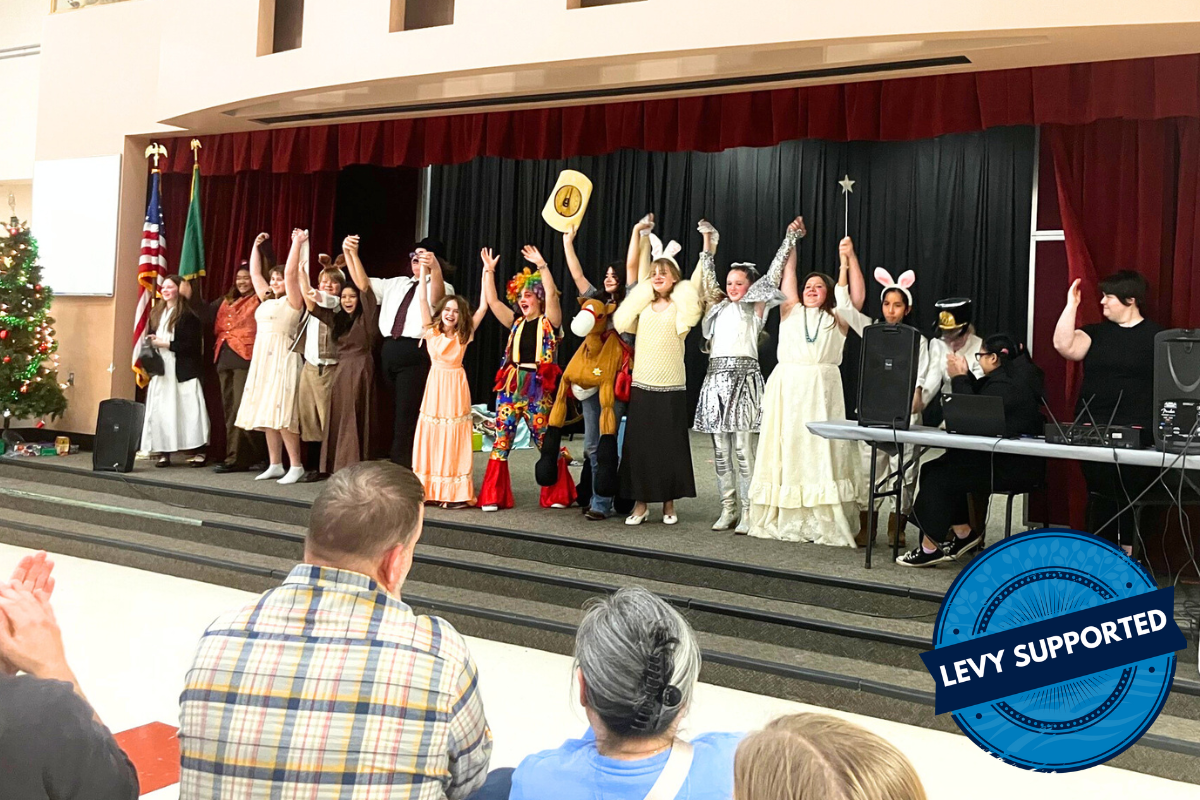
1118 384
176 418
946 482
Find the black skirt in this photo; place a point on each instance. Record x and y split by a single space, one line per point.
656 463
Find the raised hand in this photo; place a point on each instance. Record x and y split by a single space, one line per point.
645 224
425 263
797 226
569 235
533 256
845 250
489 260
299 236
1075 293
262 237
350 244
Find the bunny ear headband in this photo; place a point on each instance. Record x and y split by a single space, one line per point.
903 283
657 250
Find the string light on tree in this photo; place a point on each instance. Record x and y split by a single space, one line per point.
29 386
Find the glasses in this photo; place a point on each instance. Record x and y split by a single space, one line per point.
979 356
413 256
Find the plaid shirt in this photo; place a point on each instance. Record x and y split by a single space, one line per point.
327 687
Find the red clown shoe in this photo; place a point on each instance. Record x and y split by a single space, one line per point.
562 493
496 492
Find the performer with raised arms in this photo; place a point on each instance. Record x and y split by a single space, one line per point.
730 405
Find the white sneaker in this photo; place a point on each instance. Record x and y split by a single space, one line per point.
489 508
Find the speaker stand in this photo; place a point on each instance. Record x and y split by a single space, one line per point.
896 492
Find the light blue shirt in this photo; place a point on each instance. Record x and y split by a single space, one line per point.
577 771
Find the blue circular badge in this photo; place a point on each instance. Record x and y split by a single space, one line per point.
1057 641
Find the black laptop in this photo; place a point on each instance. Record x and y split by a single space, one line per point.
974 414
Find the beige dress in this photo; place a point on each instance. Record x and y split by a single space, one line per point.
805 488
269 400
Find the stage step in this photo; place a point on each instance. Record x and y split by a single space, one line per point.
883 640
850 590
1169 750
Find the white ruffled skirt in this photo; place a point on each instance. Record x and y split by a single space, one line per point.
805 488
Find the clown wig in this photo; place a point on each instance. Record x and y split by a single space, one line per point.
526 279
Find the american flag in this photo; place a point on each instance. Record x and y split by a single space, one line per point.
152 268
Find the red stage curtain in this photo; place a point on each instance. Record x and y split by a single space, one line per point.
237 208
1129 197
897 109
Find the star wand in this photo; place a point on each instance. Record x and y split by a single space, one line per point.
847 187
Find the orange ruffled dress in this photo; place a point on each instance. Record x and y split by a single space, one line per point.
442 448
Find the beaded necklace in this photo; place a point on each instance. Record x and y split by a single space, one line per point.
811 338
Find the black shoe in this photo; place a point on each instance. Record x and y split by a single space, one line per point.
917 557
223 468
593 515
261 466
961 546
312 476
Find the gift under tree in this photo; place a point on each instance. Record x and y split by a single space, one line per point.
29 387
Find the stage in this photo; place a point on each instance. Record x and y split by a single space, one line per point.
798 621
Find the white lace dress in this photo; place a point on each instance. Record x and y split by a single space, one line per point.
805 488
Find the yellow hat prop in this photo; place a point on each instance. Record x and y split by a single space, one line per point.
568 201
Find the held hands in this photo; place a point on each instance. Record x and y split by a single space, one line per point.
645 225
846 251
711 236
489 260
299 236
956 365
425 264
262 237
533 256
797 226
350 244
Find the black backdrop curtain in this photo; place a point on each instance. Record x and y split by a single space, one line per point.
955 209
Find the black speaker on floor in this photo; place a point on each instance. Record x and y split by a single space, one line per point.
118 434
1177 390
887 375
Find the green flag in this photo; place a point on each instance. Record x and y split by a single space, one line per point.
191 261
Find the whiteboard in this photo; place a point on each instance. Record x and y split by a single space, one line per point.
75 207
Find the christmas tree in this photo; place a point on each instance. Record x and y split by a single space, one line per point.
29 386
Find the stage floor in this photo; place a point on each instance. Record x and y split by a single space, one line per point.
691 536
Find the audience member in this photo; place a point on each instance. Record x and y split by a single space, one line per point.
52 744
329 685
636 661
821 757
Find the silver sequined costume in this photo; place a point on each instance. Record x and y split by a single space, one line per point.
730 404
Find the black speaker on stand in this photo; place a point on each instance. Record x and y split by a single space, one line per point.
118 434
1177 390
887 375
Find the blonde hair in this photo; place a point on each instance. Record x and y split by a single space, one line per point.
821 757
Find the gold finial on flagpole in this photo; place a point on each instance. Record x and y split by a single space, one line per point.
195 145
155 151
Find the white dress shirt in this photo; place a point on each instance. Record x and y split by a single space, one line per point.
390 292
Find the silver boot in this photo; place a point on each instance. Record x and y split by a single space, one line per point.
726 482
744 443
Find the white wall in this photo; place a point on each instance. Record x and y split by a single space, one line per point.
20 24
